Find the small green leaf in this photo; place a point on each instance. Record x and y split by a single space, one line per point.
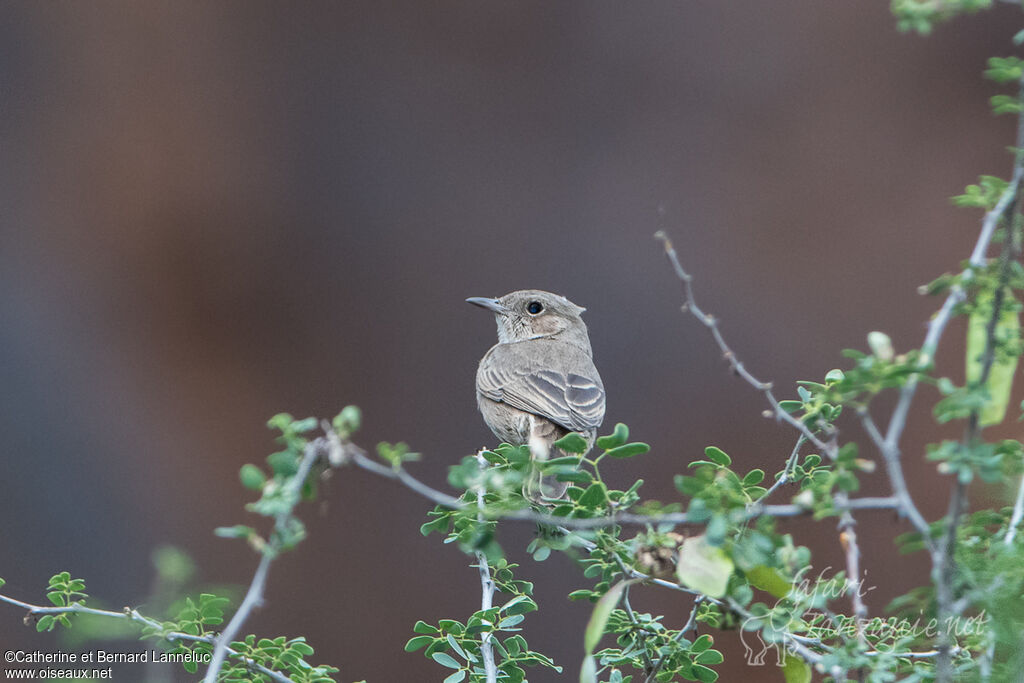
615 439
456 677
572 443
454 645
417 642
595 496
753 478
252 477
717 456
769 580
796 670
709 658
424 627
445 659
237 531
702 643
704 674
704 567
348 420
628 450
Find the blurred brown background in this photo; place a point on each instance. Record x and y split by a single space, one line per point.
214 212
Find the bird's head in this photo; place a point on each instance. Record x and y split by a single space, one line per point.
532 314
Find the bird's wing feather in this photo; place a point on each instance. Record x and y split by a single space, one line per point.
563 387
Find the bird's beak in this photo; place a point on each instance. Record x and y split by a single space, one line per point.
490 304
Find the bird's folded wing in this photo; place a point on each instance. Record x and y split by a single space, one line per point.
571 395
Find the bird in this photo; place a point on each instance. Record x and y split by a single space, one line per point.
539 382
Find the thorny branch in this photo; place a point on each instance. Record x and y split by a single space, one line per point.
711 323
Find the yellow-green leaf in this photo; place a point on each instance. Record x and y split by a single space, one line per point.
599 617
796 670
1000 377
704 567
769 580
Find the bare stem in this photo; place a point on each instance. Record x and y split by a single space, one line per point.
486 585
254 596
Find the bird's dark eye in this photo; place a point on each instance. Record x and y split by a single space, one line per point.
534 307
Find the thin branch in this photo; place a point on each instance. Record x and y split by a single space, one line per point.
1018 513
134 616
358 458
648 664
486 585
787 472
894 469
254 596
710 322
691 622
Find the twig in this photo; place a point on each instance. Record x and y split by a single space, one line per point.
895 472
486 585
134 616
711 323
357 457
626 573
1018 513
254 596
690 624
787 472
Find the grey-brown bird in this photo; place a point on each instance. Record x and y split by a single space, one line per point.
538 383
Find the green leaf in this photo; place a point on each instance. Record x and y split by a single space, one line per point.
717 456
424 627
709 657
445 659
599 617
594 496
704 674
417 642
629 450
348 420
454 645
456 677
769 580
572 443
702 643
237 531
796 670
615 439
753 478
704 567
252 477
1000 379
